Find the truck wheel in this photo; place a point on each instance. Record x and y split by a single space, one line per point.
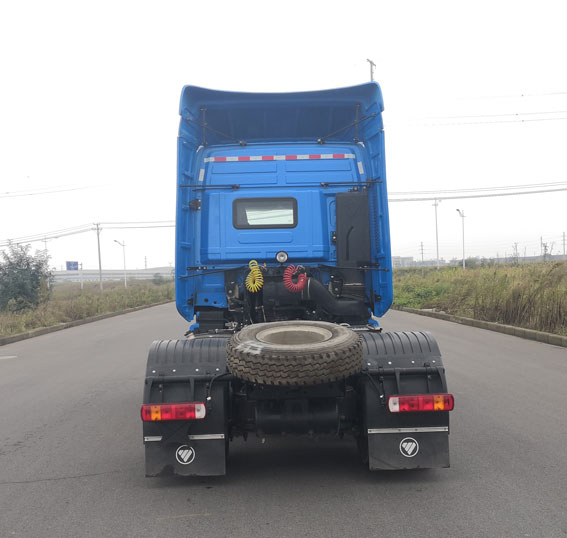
294 353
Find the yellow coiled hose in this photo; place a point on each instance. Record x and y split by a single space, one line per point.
255 279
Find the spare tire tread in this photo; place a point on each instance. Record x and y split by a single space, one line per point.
286 367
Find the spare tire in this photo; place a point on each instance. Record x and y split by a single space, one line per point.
294 353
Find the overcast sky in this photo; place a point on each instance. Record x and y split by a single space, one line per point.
90 91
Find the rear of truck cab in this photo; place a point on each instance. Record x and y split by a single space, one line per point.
282 219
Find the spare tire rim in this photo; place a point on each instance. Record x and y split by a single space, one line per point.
294 335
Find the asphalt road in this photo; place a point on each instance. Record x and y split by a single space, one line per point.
71 455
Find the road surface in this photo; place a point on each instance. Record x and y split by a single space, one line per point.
71 455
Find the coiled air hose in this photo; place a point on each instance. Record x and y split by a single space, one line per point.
289 284
255 280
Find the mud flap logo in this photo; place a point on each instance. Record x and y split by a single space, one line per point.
409 447
185 454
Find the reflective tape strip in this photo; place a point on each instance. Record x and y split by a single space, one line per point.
152 438
430 429
206 436
307 157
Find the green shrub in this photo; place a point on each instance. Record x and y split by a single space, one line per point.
23 278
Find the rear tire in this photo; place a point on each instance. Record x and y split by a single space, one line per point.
294 353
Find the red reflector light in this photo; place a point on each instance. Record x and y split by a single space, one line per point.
176 411
421 402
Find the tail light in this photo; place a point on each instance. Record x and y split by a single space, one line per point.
176 411
421 402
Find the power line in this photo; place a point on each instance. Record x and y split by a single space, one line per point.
140 222
513 114
17 194
450 124
516 96
492 195
479 189
42 237
55 234
137 227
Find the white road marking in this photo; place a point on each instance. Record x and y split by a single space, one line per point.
2 357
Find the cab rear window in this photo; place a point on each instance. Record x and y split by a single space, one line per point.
264 213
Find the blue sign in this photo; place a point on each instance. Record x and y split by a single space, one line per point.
72 266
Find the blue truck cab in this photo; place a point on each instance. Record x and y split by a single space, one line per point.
283 267
302 174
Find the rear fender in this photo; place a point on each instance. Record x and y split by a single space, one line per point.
396 364
182 371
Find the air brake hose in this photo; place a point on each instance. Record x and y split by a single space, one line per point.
289 284
255 280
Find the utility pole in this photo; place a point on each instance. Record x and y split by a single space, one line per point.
45 254
123 245
516 255
435 204
422 264
462 214
81 276
372 66
99 259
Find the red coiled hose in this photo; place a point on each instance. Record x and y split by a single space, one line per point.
289 284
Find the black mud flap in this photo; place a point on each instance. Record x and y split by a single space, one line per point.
187 371
194 456
396 364
411 448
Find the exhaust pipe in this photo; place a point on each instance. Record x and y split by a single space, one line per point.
315 291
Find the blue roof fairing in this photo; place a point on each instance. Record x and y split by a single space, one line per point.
269 117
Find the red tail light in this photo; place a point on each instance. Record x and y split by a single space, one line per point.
176 411
421 402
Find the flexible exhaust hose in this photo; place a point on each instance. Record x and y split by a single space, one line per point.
319 293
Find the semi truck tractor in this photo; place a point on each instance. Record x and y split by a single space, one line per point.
283 269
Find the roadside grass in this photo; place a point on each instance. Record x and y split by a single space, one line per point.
68 303
531 295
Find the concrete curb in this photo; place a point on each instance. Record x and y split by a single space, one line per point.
46 330
529 334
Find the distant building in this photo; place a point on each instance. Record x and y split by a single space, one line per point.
402 261
91 275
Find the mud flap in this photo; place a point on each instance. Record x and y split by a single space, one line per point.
411 448
402 363
191 457
412 441
187 371
190 448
